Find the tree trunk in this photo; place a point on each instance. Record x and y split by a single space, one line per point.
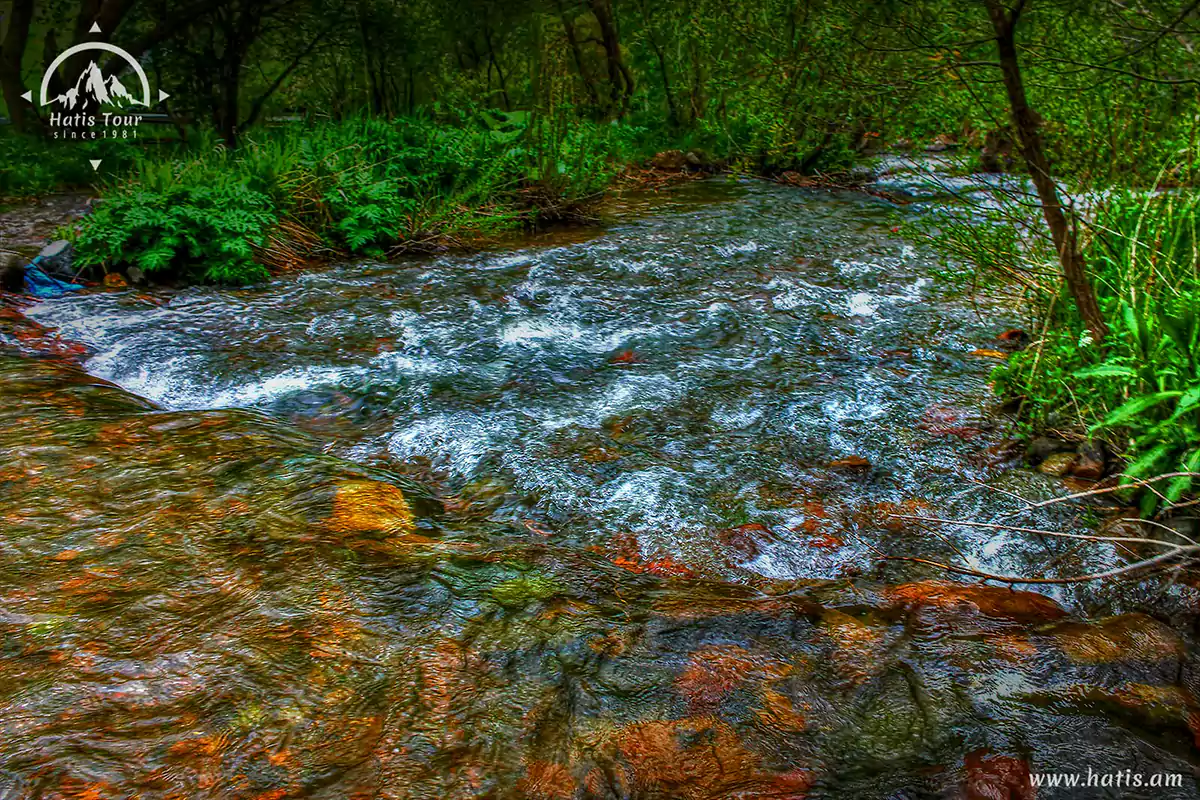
620 80
577 54
12 53
373 89
672 111
226 110
1027 124
487 38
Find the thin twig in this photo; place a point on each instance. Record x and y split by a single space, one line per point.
1111 489
1095 576
1019 529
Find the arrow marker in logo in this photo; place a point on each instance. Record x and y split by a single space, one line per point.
95 164
95 28
28 96
162 95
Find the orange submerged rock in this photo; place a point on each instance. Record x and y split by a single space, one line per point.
715 671
699 759
360 506
991 601
1130 637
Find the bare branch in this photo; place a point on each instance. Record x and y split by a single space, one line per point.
1162 558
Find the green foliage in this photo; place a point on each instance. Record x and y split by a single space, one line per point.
364 185
30 166
1142 391
191 230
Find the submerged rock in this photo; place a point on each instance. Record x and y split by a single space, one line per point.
1057 464
370 506
992 601
997 777
1128 638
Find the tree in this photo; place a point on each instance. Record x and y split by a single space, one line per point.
1027 124
12 54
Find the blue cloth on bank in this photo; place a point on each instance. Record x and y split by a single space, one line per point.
44 287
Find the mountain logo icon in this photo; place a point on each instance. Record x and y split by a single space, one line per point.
93 89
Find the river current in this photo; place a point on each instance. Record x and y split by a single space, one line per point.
656 470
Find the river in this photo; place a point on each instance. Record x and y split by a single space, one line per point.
653 470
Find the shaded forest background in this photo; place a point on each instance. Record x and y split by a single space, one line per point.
780 84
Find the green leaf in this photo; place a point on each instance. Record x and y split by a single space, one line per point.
1147 463
1135 407
1179 486
1105 371
1189 401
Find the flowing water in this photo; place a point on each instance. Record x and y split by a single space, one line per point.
681 384
655 470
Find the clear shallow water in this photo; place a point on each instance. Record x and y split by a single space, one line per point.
743 378
235 603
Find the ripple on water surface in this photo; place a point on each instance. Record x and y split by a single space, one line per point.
749 378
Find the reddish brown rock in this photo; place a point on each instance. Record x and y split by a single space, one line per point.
713 672
991 601
851 463
1091 463
546 781
1014 339
998 777
744 539
700 758
1129 637
779 713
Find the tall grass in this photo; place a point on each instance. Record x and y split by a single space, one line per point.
1140 391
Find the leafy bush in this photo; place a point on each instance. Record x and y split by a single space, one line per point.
363 186
192 230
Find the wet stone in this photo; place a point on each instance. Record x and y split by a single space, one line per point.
1057 464
1127 638
1043 447
1091 464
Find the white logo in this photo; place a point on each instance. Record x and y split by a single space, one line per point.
91 109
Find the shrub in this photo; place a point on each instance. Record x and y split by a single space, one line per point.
190 230
364 185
